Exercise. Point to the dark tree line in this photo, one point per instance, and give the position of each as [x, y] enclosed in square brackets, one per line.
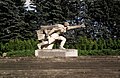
[107, 13]
[100, 16]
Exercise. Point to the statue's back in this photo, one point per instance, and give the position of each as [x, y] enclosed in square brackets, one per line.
[41, 32]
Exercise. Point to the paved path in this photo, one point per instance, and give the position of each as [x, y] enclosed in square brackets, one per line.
[81, 67]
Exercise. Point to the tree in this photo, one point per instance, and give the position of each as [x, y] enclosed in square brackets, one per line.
[51, 11]
[9, 20]
[14, 22]
[106, 13]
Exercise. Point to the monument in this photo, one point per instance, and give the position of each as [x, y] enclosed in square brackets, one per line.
[48, 35]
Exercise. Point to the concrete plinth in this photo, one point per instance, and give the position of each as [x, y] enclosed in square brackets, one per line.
[48, 53]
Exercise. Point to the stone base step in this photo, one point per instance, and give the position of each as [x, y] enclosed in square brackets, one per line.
[50, 53]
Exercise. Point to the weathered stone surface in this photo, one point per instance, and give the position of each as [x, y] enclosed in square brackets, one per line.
[48, 53]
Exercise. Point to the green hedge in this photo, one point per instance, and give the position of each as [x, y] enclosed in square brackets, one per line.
[16, 45]
[85, 43]
[99, 52]
[30, 53]
[21, 53]
[86, 46]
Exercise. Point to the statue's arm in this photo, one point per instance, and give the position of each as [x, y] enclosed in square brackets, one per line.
[74, 27]
[53, 30]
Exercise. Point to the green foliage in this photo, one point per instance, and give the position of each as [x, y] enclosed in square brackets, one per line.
[21, 53]
[95, 46]
[106, 12]
[51, 11]
[99, 52]
[10, 21]
[118, 41]
[85, 46]
[17, 44]
[100, 44]
[16, 23]
[18, 26]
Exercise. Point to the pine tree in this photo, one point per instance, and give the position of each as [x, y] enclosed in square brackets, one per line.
[106, 13]
[116, 19]
[56, 14]
[51, 11]
[15, 22]
[9, 20]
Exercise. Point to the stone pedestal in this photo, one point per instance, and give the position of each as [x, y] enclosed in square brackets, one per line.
[49, 53]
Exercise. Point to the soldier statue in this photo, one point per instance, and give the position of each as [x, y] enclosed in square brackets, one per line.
[49, 34]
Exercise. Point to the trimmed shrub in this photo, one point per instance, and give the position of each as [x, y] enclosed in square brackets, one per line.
[86, 46]
[14, 45]
[20, 53]
[99, 52]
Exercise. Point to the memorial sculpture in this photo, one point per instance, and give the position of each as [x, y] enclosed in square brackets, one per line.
[49, 34]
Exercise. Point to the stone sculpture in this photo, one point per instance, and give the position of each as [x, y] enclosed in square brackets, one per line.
[49, 34]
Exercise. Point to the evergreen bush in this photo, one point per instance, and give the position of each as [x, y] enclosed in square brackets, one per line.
[103, 52]
[20, 53]
[85, 46]
[17, 44]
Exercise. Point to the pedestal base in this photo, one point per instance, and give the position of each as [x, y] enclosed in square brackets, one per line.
[48, 53]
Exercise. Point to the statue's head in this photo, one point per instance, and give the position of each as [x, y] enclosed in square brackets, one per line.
[66, 24]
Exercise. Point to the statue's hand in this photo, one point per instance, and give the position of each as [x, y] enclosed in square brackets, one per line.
[83, 25]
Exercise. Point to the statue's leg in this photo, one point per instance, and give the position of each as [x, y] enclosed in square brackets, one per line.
[62, 42]
[42, 44]
[46, 44]
[39, 46]
[50, 46]
[51, 40]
